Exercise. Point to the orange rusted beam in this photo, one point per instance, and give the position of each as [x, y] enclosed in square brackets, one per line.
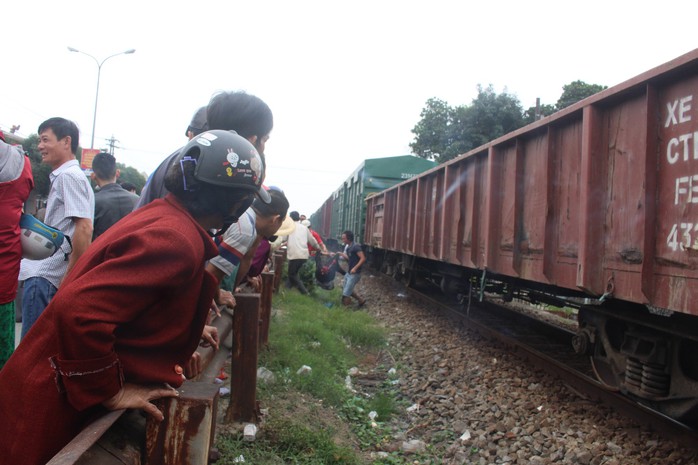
[186, 434]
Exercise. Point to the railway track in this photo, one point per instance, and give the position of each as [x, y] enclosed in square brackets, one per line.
[549, 348]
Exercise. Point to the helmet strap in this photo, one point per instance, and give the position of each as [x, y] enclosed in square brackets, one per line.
[70, 243]
[192, 186]
[227, 222]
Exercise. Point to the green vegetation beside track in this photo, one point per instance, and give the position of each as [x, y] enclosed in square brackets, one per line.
[316, 417]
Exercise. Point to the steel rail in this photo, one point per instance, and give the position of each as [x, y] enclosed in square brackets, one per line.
[577, 381]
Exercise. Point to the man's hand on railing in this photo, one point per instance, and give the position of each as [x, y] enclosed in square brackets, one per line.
[209, 337]
[224, 298]
[139, 396]
[255, 283]
[193, 366]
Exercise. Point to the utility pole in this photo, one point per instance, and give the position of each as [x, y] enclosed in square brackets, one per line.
[112, 144]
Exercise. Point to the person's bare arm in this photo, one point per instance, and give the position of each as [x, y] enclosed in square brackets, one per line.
[82, 238]
[215, 271]
[312, 241]
[246, 261]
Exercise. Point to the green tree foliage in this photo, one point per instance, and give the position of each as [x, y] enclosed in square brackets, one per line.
[445, 132]
[492, 115]
[534, 114]
[431, 131]
[131, 174]
[576, 91]
[40, 171]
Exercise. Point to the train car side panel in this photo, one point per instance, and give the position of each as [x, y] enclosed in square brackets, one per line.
[624, 139]
[533, 190]
[676, 253]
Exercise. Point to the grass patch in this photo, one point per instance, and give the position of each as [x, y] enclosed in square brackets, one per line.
[306, 332]
[313, 417]
[286, 441]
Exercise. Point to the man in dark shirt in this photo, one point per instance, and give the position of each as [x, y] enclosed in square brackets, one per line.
[112, 202]
[354, 254]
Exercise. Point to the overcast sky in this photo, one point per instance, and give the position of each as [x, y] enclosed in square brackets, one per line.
[346, 81]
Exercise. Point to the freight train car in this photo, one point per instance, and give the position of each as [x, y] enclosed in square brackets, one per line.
[595, 207]
[346, 207]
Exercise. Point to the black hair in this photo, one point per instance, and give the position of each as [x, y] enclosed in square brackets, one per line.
[277, 206]
[104, 166]
[62, 128]
[350, 235]
[294, 216]
[129, 186]
[240, 112]
[198, 122]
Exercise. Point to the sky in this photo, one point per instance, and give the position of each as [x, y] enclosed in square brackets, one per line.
[346, 81]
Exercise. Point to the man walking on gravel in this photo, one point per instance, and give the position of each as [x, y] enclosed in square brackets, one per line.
[356, 258]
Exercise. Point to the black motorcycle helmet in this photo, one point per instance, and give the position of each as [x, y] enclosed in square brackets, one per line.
[225, 159]
[217, 172]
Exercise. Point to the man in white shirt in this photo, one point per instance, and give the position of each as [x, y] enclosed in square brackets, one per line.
[70, 208]
[297, 252]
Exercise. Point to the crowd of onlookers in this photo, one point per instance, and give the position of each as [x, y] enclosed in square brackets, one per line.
[113, 314]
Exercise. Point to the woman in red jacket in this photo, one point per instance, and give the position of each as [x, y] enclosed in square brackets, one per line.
[129, 316]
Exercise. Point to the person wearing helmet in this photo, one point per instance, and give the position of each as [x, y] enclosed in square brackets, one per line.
[16, 182]
[243, 113]
[128, 317]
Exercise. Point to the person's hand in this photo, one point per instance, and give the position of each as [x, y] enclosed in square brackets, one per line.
[139, 396]
[225, 298]
[193, 367]
[255, 283]
[209, 337]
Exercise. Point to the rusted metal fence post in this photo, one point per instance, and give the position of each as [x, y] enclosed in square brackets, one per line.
[186, 434]
[265, 308]
[279, 258]
[243, 369]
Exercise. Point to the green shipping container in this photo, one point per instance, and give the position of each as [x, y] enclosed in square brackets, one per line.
[371, 176]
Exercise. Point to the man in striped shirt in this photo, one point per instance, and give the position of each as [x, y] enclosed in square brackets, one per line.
[70, 208]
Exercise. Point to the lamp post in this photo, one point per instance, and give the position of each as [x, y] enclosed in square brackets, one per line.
[99, 72]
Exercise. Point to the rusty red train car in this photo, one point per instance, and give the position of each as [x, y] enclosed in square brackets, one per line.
[594, 206]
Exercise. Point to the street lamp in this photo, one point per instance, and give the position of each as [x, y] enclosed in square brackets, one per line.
[99, 72]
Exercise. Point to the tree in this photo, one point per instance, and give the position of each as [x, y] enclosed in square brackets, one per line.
[576, 91]
[431, 131]
[131, 174]
[492, 115]
[533, 114]
[444, 133]
[40, 171]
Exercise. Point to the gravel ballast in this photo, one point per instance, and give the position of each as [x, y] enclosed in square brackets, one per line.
[469, 401]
